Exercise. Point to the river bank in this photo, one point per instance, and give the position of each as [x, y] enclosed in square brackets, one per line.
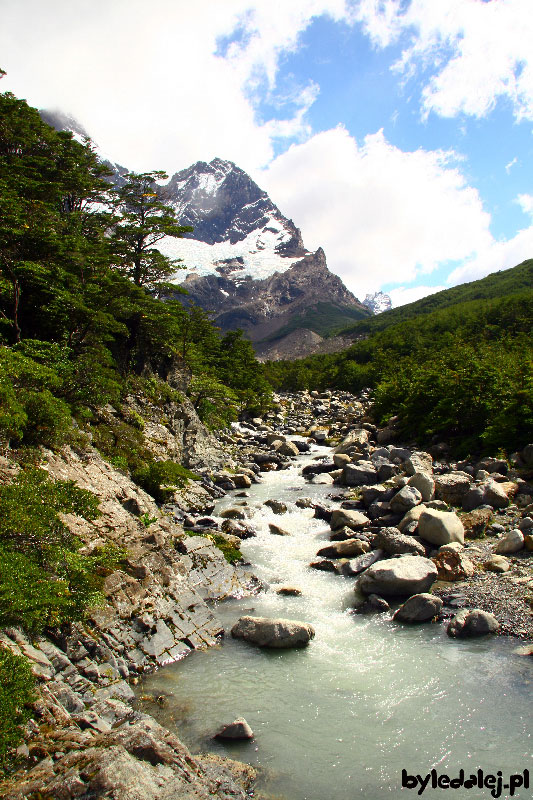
[87, 736]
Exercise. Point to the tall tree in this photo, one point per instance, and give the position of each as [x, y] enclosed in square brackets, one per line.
[145, 221]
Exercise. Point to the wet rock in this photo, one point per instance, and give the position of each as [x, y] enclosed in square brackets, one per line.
[374, 604]
[408, 497]
[305, 502]
[277, 531]
[236, 730]
[344, 549]
[318, 468]
[354, 520]
[511, 542]
[472, 623]
[453, 566]
[397, 577]
[289, 591]
[288, 449]
[234, 528]
[233, 513]
[419, 608]
[242, 481]
[278, 633]
[440, 527]
[276, 506]
[324, 565]
[395, 543]
[357, 565]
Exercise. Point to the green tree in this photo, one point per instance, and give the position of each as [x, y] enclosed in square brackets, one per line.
[144, 221]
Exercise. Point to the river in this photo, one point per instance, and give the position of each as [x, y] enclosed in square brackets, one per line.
[367, 698]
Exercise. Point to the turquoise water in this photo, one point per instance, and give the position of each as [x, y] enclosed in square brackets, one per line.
[341, 718]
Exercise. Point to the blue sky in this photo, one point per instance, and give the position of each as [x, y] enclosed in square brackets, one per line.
[396, 133]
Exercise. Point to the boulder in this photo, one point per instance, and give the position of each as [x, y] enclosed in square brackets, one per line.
[276, 506]
[475, 523]
[440, 527]
[527, 455]
[345, 549]
[497, 564]
[473, 498]
[452, 487]
[413, 515]
[236, 730]
[326, 479]
[395, 543]
[397, 577]
[242, 481]
[408, 497]
[289, 591]
[355, 440]
[359, 474]
[354, 520]
[472, 623]
[278, 633]
[491, 465]
[288, 449]
[357, 565]
[374, 604]
[424, 483]
[511, 542]
[419, 608]
[418, 461]
[233, 513]
[341, 459]
[494, 495]
[277, 531]
[453, 566]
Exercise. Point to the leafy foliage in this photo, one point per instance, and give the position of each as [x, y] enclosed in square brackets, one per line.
[16, 693]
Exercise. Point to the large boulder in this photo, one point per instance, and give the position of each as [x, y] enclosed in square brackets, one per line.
[397, 577]
[408, 497]
[356, 441]
[472, 623]
[343, 517]
[440, 527]
[453, 565]
[395, 543]
[278, 633]
[419, 608]
[413, 515]
[418, 461]
[424, 483]
[511, 542]
[452, 487]
[495, 495]
[359, 474]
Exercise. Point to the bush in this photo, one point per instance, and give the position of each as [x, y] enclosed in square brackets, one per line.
[162, 478]
[16, 693]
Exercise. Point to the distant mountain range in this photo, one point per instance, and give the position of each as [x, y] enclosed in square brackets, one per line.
[246, 263]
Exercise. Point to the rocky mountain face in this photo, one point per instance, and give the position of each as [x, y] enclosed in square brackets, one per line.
[377, 302]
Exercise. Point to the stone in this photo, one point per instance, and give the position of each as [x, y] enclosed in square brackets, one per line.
[324, 565]
[397, 577]
[490, 465]
[440, 527]
[424, 483]
[511, 542]
[277, 633]
[276, 506]
[413, 515]
[408, 497]
[233, 513]
[395, 543]
[341, 459]
[419, 608]
[494, 495]
[325, 479]
[528, 542]
[452, 487]
[473, 498]
[236, 730]
[348, 548]
[374, 604]
[289, 591]
[497, 564]
[473, 622]
[360, 474]
[354, 520]
[527, 455]
[418, 461]
[357, 565]
[356, 440]
[525, 524]
[475, 522]
[453, 566]
[70, 701]
[288, 449]
[277, 531]
[242, 481]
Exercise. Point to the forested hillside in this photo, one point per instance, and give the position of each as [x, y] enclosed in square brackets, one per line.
[462, 372]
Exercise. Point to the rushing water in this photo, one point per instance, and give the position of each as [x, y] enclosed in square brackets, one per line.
[340, 719]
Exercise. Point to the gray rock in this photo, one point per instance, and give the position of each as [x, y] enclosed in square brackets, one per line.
[236, 730]
[344, 549]
[374, 604]
[419, 608]
[395, 543]
[357, 565]
[408, 497]
[472, 623]
[413, 515]
[356, 439]
[418, 461]
[354, 520]
[397, 577]
[494, 495]
[511, 542]
[440, 527]
[452, 487]
[278, 633]
[497, 564]
[473, 498]
[359, 474]
[424, 483]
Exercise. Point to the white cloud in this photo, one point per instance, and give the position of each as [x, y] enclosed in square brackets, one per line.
[525, 201]
[497, 256]
[477, 51]
[402, 295]
[381, 214]
[149, 82]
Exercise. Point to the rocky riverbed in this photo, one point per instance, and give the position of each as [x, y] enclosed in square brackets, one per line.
[403, 522]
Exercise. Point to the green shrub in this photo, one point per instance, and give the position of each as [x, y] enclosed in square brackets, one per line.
[162, 478]
[230, 553]
[16, 693]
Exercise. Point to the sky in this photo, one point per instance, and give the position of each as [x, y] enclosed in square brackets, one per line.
[397, 134]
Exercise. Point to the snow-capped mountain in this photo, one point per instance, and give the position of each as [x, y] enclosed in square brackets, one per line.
[376, 302]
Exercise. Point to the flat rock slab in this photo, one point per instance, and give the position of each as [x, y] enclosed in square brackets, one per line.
[278, 633]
